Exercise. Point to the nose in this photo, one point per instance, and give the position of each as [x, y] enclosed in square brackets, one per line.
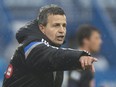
[62, 29]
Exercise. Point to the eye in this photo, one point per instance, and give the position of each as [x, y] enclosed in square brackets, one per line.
[64, 25]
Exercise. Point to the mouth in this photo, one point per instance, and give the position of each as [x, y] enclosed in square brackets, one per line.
[60, 38]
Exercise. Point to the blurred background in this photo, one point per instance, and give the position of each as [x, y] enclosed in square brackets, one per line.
[99, 13]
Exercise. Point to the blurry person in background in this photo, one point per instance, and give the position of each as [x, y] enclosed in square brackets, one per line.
[39, 61]
[88, 38]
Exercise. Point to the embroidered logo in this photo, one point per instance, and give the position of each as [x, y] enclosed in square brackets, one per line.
[9, 71]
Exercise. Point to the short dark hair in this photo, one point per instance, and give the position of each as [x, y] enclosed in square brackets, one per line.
[48, 10]
[83, 32]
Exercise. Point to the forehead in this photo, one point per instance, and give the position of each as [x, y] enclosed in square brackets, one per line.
[56, 19]
[95, 33]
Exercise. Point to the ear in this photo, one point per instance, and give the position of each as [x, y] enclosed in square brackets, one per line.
[42, 28]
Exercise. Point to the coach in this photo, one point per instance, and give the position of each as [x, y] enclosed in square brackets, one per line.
[39, 61]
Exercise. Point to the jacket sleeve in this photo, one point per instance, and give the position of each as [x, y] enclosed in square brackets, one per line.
[42, 57]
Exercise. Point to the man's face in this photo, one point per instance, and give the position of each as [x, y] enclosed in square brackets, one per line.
[94, 42]
[55, 29]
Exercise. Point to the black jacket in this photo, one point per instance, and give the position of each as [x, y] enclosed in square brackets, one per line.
[38, 62]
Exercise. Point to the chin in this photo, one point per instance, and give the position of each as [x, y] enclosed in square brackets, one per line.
[59, 43]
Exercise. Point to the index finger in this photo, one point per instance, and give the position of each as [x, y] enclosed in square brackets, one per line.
[94, 60]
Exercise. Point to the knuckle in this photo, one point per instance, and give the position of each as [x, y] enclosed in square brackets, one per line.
[81, 62]
[86, 63]
[89, 63]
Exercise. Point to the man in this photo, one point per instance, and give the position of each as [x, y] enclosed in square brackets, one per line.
[88, 38]
[38, 61]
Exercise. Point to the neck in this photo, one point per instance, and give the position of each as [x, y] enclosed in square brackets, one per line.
[84, 48]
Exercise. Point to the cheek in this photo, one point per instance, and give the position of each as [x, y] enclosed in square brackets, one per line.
[93, 44]
[50, 33]
[96, 44]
